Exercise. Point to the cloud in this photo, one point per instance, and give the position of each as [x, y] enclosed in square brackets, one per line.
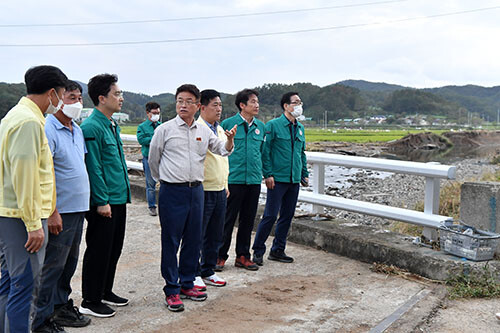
[446, 50]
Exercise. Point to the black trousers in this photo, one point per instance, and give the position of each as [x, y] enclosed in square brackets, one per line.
[243, 200]
[104, 246]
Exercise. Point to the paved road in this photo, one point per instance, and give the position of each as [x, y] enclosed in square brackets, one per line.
[319, 292]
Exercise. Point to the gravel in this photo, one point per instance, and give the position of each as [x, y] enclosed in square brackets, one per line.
[398, 190]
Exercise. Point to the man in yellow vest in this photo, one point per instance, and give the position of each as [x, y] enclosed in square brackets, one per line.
[215, 192]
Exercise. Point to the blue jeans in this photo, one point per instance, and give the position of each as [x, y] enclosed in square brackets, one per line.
[61, 259]
[20, 276]
[181, 214]
[214, 211]
[150, 183]
[282, 199]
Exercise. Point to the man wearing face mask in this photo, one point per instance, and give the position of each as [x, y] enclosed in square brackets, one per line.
[284, 166]
[145, 133]
[28, 195]
[65, 225]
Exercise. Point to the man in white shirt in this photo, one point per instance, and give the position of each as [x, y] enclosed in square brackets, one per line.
[176, 158]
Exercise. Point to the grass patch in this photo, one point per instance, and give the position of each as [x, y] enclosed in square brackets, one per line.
[473, 284]
[449, 200]
[491, 177]
[407, 229]
[449, 205]
[128, 129]
[495, 159]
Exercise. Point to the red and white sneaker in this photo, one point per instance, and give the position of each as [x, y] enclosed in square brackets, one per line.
[199, 284]
[193, 294]
[174, 303]
[214, 280]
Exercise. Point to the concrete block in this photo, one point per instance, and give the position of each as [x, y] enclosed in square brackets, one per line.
[368, 244]
[480, 206]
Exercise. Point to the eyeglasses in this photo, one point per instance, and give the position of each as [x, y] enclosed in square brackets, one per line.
[118, 94]
[188, 102]
[297, 103]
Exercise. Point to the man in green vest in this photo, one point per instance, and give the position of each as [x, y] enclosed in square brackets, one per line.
[109, 195]
[284, 166]
[245, 177]
[145, 133]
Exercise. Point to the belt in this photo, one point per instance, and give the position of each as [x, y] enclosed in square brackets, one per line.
[186, 184]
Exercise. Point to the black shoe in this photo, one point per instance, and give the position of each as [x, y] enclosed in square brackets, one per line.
[68, 315]
[259, 260]
[152, 211]
[280, 256]
[49, 326]
[97, 309]
[112, 299]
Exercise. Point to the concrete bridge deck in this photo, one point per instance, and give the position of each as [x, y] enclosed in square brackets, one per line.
[319, 292]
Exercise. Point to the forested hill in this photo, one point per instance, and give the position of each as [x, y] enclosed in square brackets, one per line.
[345, 99]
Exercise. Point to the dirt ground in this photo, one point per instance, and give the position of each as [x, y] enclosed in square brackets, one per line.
[319, 292]
[465, 316]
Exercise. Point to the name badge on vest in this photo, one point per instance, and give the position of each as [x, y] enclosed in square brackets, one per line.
[257, 131]
[300, 132]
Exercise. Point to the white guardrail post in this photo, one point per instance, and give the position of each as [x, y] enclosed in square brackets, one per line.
[431, 203]
[318, 185]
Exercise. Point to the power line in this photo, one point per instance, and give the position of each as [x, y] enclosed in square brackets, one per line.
[199, 17]
[359, 25]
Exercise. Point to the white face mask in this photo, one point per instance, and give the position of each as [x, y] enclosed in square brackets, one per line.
[53, 109]
[297, 111]
[155, 118]
[73, 110]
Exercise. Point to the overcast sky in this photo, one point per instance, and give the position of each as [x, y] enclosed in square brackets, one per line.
[458, 49]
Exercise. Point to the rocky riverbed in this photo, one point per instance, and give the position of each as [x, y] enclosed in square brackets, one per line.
[398, 190]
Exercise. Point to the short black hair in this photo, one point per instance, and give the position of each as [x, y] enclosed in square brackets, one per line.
[207, 95]
[286, 98]
[100, 85]
[73, 85]
[190, 88]
[41, 79]
[243, 96]
[152, 105]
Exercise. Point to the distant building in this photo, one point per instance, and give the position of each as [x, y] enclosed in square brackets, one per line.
[86, 112]
[118, 116]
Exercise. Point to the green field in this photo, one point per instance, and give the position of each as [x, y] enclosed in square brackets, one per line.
[340, 135]
[128, 129]
[359, 136]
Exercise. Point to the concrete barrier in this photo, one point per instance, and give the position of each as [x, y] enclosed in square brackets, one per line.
[480, 206]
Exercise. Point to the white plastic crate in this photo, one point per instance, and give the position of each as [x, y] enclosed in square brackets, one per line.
[478, 246]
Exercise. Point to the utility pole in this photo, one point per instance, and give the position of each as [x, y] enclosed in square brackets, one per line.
[325, 120]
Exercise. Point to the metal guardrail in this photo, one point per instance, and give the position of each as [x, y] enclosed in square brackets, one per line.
[433, 173]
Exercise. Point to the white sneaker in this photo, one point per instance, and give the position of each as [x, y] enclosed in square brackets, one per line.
[214, 280]
[199, 284]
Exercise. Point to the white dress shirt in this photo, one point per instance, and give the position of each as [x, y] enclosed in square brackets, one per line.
[177, 151]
